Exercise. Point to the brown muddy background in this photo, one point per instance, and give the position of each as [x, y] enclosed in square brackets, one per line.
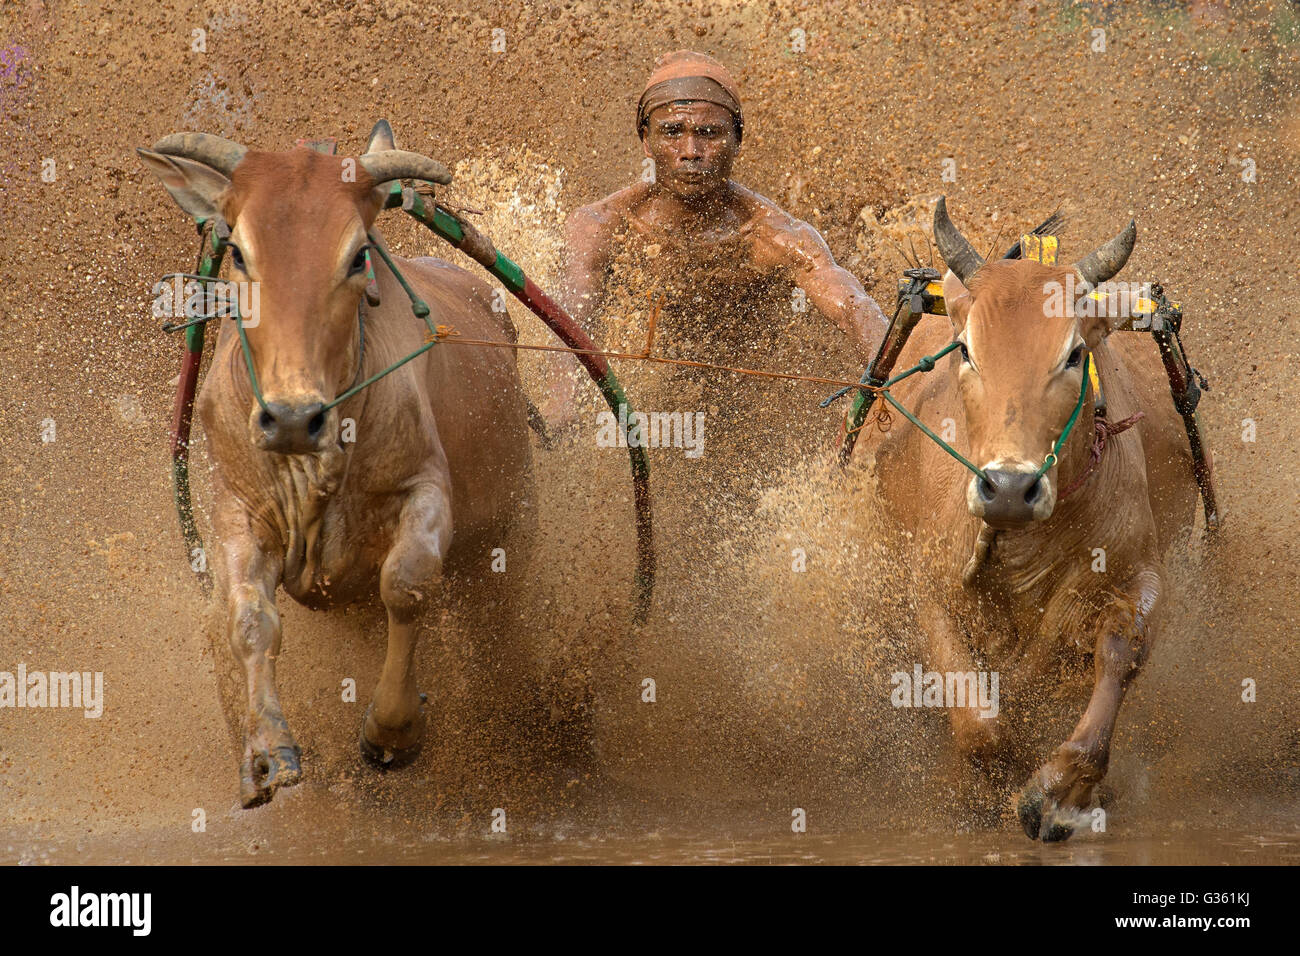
[772, 686]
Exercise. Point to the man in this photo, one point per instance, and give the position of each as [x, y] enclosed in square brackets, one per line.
[714, 250]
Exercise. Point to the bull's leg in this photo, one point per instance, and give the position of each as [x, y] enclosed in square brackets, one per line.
[1060, 789]
[272, 758]
[393, 728]
[978, 738]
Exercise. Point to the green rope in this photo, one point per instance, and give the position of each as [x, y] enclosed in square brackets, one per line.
[378, 375]
[926, 364]
[1052, 458]
[418, 305]
[248, 360]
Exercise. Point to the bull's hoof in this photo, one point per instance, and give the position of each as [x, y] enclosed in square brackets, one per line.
[265, 771]
[1058, 832]
[1030, 809]
[397, 750]
[1039, 815]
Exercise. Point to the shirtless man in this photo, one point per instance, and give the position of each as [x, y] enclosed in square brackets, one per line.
[690, 124]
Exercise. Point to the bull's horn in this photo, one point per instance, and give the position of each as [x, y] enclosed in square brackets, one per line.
[381, 138]
[1100, 264]
[956, 250]
[390, 164]
[221, 154]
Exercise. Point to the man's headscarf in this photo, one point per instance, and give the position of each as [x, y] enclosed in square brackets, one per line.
[686, 75]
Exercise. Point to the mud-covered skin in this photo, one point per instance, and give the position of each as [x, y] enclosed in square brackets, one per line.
[692, 208]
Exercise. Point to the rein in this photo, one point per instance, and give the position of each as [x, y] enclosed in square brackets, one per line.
[1052, 458]
[926, 364]
[987, 535]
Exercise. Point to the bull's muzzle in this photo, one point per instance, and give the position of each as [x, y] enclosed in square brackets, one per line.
[1009, 498]
[292, 428]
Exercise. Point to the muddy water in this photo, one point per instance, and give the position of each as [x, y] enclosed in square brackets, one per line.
[560, 845]
[771, 685]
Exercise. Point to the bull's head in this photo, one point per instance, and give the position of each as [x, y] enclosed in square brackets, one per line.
[298, 228]
[1023, 345]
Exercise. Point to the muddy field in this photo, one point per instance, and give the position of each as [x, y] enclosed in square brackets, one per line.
[772, 686]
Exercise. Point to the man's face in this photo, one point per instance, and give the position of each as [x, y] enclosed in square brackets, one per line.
[693, 145]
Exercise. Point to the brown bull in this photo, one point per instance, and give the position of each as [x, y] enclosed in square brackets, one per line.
[297, 502]
[1035, 606]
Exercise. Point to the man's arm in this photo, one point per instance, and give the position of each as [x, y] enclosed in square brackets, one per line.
[586, 260]
[799, 249]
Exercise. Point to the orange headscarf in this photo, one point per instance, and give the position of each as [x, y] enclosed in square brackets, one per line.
[686, 75]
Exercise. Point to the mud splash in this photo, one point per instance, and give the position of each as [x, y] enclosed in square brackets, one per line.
[771, 683]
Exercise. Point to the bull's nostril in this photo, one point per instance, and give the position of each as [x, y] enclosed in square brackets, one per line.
[1034, 491]
[266, 420]
[316, 424]
[986, 489]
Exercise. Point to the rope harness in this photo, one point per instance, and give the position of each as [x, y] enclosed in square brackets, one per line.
[1103, 431]
[927, 364]
[437, 334]
[465, 237]
[216, 235]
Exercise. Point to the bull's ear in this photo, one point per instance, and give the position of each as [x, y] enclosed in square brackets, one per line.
[956, 300]
[196, 188]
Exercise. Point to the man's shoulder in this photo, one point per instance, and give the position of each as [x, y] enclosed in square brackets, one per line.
[613, 209]
[774, 227]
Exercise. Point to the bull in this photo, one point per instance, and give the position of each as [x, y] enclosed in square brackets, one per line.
[439, 468]
[1020, 590]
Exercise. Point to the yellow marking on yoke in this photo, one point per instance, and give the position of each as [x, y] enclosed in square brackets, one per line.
[1039, 248]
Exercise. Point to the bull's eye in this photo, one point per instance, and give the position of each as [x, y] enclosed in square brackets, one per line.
[237, 258]
[1075, 357]
[965, 355]
[358, 263]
